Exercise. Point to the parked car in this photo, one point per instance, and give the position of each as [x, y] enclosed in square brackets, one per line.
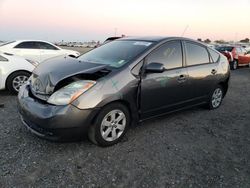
[14, 71]
[36, 50]
[103, 91]
[236, 55]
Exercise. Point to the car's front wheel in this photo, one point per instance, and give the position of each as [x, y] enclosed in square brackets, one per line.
[110, 126]
[216, 98]
[16, 80]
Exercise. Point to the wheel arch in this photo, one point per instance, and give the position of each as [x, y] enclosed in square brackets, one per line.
[133, 113]
[14, 73]
[224, 85]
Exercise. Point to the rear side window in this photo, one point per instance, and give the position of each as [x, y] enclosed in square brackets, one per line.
[46, 46]
[196, 54]
[214, 55]
[169, 54]
[3, 58]
[27, 45]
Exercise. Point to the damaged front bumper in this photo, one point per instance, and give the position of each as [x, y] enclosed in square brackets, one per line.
[57, 123]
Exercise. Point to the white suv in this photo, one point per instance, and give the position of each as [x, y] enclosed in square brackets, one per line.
[36, 50]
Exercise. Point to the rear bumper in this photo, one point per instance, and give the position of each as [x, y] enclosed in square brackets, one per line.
[56, 123]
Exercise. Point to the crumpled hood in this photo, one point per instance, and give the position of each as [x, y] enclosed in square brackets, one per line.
[46, 76]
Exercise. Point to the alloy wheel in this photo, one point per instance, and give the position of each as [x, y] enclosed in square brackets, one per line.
[217, 98]
[113, 125]
[19, 81]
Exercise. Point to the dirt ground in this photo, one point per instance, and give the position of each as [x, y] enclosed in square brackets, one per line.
[192, 148]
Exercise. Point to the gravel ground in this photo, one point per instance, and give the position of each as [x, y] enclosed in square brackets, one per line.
[193, 148]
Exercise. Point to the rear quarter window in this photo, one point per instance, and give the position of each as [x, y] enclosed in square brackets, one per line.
[214, 56]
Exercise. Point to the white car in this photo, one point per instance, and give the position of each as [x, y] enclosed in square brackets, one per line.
[36, 50]
[14, 71]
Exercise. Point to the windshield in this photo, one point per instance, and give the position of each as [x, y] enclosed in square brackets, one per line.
[3, 44]
[116, 53]
[224, 48]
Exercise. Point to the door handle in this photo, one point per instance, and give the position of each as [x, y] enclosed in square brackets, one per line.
[182, 78]
[214, 71]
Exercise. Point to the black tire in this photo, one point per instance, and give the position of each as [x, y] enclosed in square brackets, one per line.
[12, 77]
[210, 104]
[94, 132]
[234, 65]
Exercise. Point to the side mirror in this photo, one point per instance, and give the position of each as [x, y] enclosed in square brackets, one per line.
[155, 68]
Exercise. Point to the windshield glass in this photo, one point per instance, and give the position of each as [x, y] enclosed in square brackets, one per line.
[3, 44]
[224, 48]
[116, 53]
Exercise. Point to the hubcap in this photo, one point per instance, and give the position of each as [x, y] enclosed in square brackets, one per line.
[113, 125]
[217, 98]
[19, 81]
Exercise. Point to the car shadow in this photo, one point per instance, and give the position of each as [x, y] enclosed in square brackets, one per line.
[5, 93]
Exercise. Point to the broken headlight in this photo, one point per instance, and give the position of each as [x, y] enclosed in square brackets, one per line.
[71, 92]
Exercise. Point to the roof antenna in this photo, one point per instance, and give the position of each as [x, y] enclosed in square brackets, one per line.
[184, 31]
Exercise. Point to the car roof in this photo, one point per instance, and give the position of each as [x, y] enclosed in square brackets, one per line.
[157, 38]
[30, 40]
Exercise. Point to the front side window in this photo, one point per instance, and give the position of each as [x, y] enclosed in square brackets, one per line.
[116, 53]
[169, 54]
[196, 54]
[27, 45]
[46, 46]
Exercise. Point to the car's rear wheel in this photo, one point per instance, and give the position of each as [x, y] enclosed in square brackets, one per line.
[16, 80]
[110, 126]
[216, 98]
[234, 65]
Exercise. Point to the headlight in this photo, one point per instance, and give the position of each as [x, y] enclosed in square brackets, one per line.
[71, 92]
[35, 63]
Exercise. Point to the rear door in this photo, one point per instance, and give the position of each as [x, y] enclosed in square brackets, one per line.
[162, 92]
[201, 70]
[47, 50]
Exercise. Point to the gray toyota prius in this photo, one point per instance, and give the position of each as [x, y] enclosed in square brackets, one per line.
[103, 92]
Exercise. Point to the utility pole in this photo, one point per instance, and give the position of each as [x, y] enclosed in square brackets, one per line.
[115, 31]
